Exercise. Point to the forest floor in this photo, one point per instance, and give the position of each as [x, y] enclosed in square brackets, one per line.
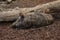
[51, 32]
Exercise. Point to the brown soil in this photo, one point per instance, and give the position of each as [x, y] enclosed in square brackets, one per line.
[51, 32]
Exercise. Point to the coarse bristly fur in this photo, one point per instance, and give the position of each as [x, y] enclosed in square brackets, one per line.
[32, 20]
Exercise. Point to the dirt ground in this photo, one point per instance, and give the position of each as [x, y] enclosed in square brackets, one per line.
[51, 32]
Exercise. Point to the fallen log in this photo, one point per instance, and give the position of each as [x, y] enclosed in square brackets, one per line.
[13, 14]
[9, 15]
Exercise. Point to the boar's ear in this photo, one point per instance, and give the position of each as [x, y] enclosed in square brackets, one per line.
[21, 15]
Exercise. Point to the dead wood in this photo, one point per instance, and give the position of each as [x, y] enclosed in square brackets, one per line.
[13, 14]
